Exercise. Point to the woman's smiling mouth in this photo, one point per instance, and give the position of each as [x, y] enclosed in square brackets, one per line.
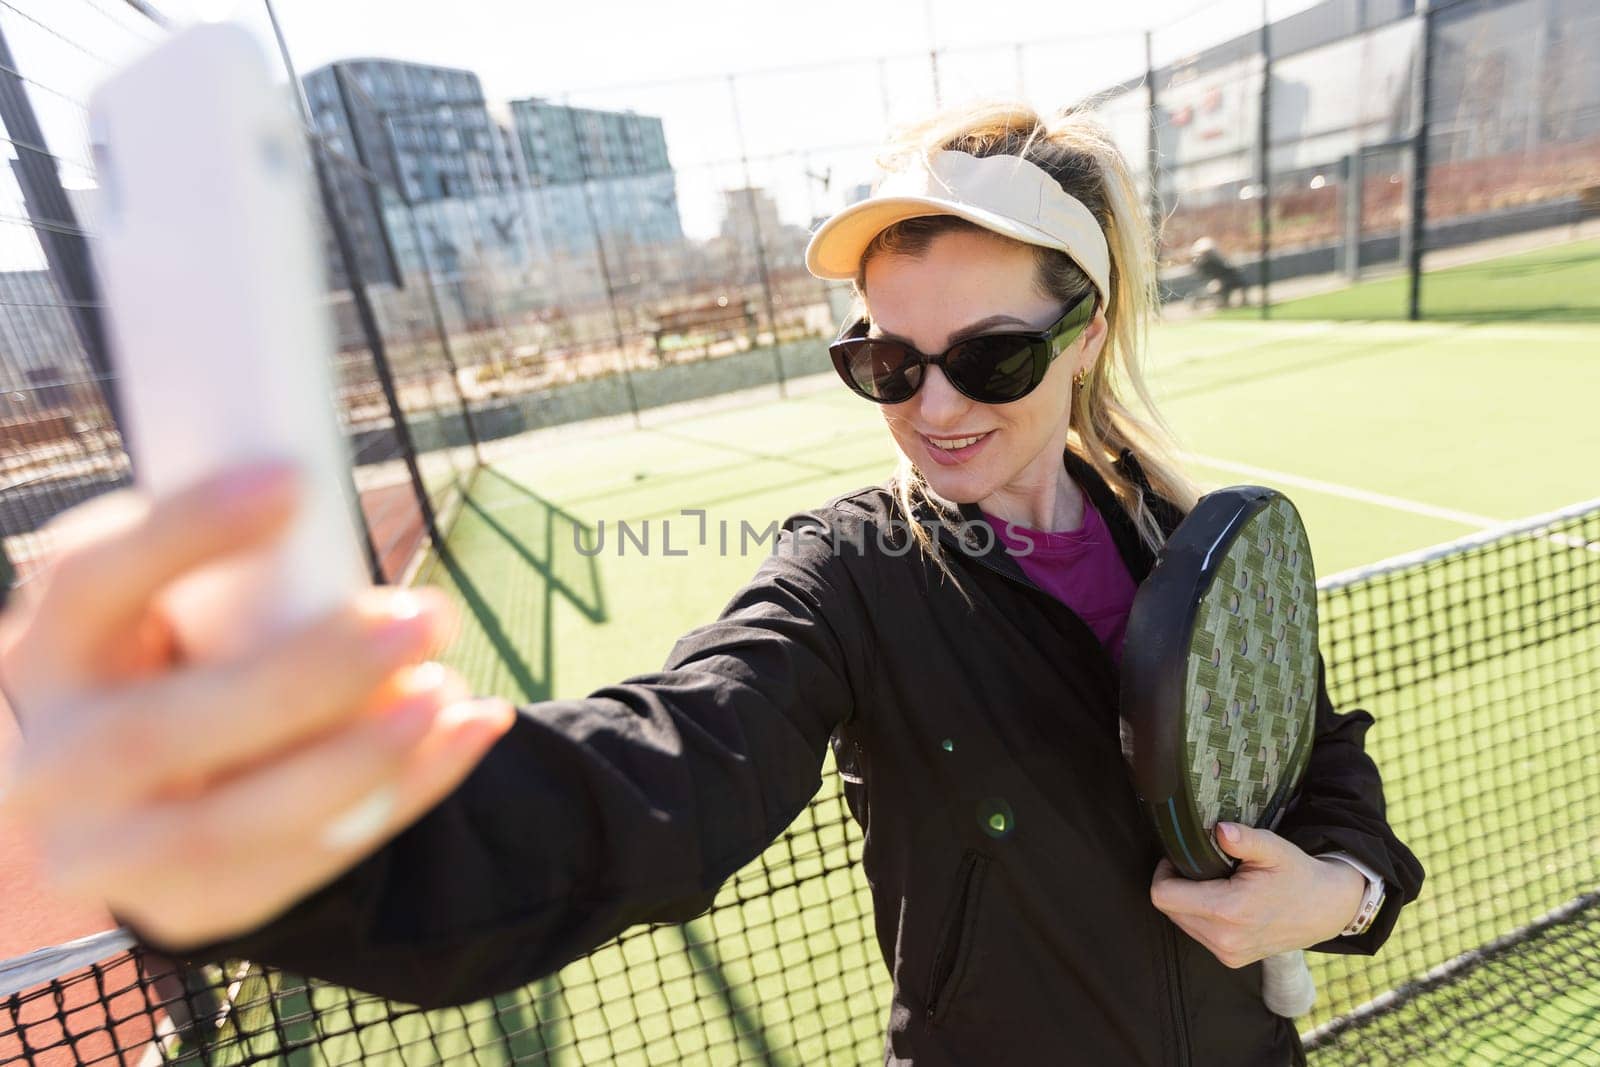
[952, 450]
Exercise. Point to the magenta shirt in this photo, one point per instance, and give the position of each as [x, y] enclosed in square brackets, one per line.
[1081, 568]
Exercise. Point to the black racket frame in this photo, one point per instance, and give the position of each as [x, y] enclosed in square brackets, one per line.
[1154, 675]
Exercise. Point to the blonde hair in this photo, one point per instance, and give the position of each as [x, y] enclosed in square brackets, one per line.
[1075, 149]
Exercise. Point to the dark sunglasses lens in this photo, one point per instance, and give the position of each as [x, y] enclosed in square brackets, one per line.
[995, 369]
[881, 370]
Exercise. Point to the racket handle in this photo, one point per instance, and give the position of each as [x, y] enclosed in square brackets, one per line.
[1286, 984]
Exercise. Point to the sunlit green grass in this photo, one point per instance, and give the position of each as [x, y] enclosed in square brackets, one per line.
[1560, 283]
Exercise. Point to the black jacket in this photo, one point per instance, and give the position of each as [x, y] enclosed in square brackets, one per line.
[1035, 944]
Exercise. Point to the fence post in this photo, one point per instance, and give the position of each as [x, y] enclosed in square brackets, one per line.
[1153, 135]
[755, 229]
[1264, 134]
[374, 336]
[55, 225]
[1354, 175]
[445, 349]
[8, 573]
[605, 266]
[542, 245]
[825, 179]
[1418, 161]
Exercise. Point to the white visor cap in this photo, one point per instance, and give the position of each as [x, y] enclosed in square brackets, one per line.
[1005, 194]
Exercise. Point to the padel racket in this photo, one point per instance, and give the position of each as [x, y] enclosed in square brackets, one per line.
[1219, 688]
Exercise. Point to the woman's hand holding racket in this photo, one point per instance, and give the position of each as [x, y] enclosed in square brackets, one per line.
[1219, 684]
[198, 801]
[1279, 898]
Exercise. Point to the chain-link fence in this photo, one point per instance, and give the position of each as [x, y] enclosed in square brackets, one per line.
[506, 267]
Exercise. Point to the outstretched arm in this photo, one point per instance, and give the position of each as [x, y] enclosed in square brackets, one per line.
[589, 816]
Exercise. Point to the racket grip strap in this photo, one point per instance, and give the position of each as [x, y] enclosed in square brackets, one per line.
[1286, 984]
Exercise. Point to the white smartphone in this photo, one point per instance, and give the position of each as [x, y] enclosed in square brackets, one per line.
[216, 306]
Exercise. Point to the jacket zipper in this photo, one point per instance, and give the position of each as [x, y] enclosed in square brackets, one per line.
[957, 939]
[1169, 937]
[1180, 1019]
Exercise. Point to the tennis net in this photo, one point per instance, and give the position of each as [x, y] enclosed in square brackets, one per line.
[1480, 660]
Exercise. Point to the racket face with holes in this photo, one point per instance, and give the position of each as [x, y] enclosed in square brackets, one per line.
[1219, 673]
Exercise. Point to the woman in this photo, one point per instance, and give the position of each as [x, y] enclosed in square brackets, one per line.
[952, 633]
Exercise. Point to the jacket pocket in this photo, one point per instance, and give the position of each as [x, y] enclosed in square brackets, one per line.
[851, 761]
[956, 934]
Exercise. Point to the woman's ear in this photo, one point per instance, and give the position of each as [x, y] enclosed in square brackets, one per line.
[1092, 340]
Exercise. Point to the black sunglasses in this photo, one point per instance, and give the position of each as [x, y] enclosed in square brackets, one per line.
[992, 368]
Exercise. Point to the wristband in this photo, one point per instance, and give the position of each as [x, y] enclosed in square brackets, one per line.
[1372, 897]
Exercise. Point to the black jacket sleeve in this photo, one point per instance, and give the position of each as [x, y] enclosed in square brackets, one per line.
[1340, 808]
[589, 816]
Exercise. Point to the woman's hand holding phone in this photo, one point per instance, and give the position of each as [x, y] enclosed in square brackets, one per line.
[198, 801]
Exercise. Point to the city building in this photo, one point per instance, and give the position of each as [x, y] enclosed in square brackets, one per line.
[612, 165]
[423, 132]
[748, 212]
[428, 127]
[427, 177]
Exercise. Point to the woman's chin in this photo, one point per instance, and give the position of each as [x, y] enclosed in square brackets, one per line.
[966, 480]
[958, 486]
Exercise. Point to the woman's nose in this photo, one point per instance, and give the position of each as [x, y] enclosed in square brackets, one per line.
[938, 398]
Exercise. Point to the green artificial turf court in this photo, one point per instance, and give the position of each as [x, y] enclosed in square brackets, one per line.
[1389, 437]
[1558, 283]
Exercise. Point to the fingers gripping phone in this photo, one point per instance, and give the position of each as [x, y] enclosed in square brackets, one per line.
[209, 262]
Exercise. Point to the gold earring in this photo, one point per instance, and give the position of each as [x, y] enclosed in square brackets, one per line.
[1077, 379]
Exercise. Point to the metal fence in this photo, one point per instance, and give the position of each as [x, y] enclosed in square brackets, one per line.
[1284, 149]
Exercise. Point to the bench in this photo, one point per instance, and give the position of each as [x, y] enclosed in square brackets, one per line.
[710, 321]
[47, 427]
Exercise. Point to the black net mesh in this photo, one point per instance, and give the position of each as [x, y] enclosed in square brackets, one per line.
[1481, 663]
[1482, 667]
[782, 967]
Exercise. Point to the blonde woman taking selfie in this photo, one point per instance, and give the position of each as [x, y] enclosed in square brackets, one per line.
[335, 806]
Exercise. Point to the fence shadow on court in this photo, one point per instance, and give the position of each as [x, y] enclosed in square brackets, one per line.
[545, 566]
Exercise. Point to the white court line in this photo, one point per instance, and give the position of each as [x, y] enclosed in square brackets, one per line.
[1349, 492]
[1382, 500]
